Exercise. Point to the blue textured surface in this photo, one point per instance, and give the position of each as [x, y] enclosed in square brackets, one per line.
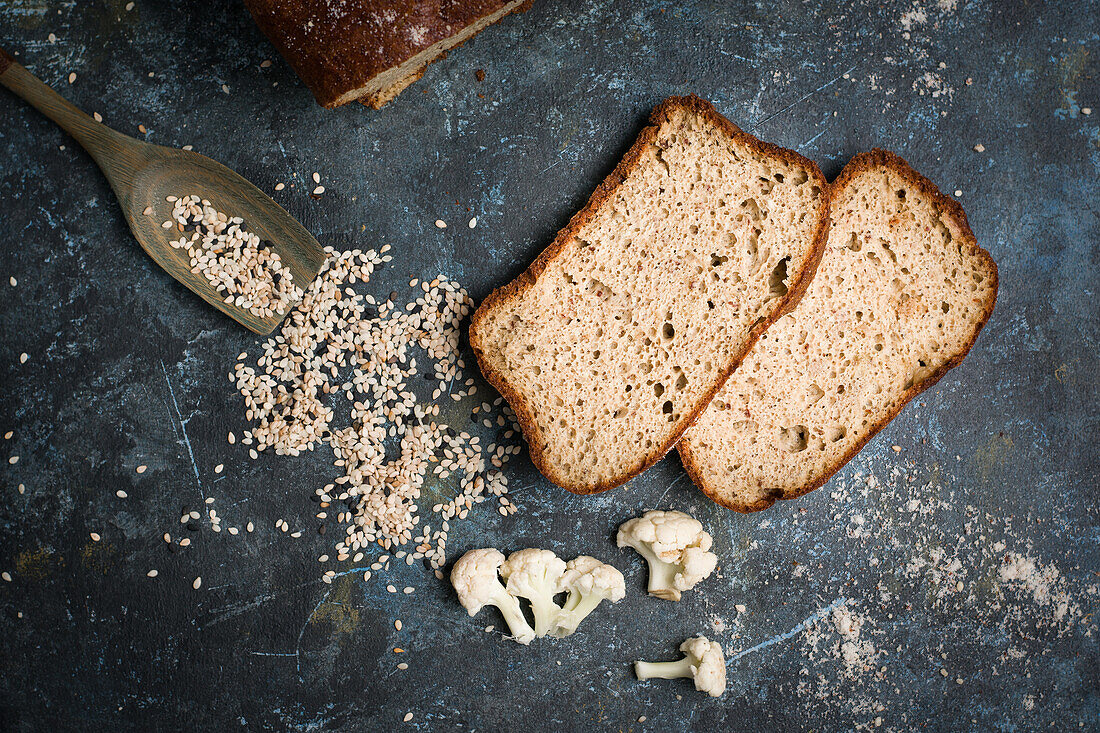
[995, 468]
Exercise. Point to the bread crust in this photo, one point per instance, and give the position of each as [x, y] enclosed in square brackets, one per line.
[603, 194]
[337, 49]
[861, 163]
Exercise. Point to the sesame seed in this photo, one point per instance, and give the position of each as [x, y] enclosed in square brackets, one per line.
[142, 469]
[152, 574]
[13, 281]
[408, 590]
[141, 129]
[473, 222]
[6, 576]
[23, 358]
[249, 527]
[219, 468]
[441, 224]
[7, 435]
[391, 589]
[318, 190]
[121, 494]
[13, 460]
[265, 63]
[129, 7]
[72, 77]
[280, 186]
[197, 583]
[94, 536]
[397, 624]
[185, 542]
[408, 717]
[316, 177]
[232, 438]
[402, 666]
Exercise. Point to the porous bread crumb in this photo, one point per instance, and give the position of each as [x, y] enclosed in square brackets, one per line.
[622, 330]
[901, 293]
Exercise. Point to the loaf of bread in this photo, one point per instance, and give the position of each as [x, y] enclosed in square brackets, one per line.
[899, 298]
[621, 332]
[370, 50]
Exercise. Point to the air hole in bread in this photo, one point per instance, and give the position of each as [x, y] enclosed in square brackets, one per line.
[667, 407]
[710, 305]
[779, 177]
[777, 281]
[667, 331]
[658, 389]
[813, 394]
[681, 382]
[836, 433]
[716, 260]
[853, 243]
[901, 193]
[794, 440]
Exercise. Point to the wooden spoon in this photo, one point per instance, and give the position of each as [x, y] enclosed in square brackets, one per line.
[143, 175]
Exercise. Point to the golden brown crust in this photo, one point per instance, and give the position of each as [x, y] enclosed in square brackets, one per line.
[862, 163]
[603, 194]
[337, 48]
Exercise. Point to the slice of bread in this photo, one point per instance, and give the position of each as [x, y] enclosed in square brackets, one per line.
[899, 298]
[620, 333]
[371, 50]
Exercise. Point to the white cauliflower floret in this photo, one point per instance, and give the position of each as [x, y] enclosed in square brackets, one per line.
[675, 547]
[705, 663]
[474, 577]
[588, 582]
[536, 575]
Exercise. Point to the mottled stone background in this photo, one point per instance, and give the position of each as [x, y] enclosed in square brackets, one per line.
[996, 466]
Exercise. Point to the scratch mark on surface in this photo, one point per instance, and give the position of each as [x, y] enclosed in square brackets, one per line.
[183, 429]
[803, 98]
[302, 632]
[797, 629]
[812, 139]
[679, 478]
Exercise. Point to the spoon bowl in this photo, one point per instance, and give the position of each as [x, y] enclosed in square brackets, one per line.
[144, 175]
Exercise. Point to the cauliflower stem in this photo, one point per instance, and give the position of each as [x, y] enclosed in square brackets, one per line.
[663, 670]
[662, 575]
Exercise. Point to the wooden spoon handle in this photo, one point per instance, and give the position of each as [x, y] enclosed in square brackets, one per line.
[103, 143]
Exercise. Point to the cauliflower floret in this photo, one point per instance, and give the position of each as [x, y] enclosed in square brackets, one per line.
[588, 582]
[675, 547]
[474, 578]
[705, 663]
[536, 575]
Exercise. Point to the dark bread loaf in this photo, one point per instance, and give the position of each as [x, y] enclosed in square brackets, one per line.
[370, 50]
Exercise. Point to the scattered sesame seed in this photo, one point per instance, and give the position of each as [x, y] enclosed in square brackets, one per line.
[408, 717]
[1086, 110]
[7, 435]
[232, 438]
[397, 624]
[152, 573]
[225, 88]
[249, 527]
[979, 148]
[641, 718]
[402, 666]
[219, 468]
[148, 211]
[97, 117]
[23, 358]
[121, 494]
[6, 576]
[318, 191]
[280, 186]
[316, 177]
[408, 590]
[13, 460]
[142, 130]
[441, 224]
[12, 281]
[94, 536]
[185, 542]
[391, 589]
[473, 222]
[958, 193]
[72, 77]
[265, 63]
[198, 583]
[129, 7]
[142, 469]
[167, 537]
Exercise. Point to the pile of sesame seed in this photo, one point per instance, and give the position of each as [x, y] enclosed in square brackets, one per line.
[243, 269]
[393, 441]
